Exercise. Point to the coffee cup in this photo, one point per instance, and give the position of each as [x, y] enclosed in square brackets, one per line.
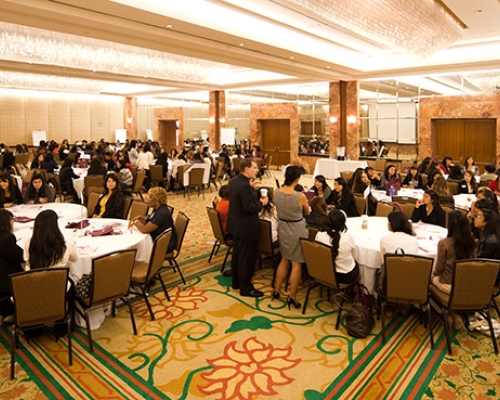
[263, 192]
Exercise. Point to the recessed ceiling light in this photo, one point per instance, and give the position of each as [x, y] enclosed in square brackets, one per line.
[292, 57]
[328, 67]
[168, 26]
[242, 44]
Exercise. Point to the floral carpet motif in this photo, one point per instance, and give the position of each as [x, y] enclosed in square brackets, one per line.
[210, 343]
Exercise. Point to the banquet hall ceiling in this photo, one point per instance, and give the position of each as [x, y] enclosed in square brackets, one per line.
[231, 45]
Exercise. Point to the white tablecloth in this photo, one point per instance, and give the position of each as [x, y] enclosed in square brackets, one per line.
[368, 244]
[331, 169]
[464, 201]
[90, 247]
[65, 211]
[79, 184]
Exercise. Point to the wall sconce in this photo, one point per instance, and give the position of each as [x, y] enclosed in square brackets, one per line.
[333, 119]
[211, 120]
[222, 120]
[129, 120]
[351, 119]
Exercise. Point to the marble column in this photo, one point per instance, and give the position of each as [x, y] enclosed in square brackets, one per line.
[130, 117]
[217, 112]
[344, 118]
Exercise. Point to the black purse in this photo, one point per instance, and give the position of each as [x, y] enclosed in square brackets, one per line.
[359, 320]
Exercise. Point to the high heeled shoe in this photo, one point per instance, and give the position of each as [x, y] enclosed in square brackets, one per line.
[291, 302]
[276, 295]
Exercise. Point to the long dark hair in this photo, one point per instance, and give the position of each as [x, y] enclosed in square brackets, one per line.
[291, 174]
[6, 177]
[117, 188]
[47, 244]
[399, 223]
[335, 225]
[31, 189]
[322, 180]
[5, 218]
[459, 231]
[491, 217]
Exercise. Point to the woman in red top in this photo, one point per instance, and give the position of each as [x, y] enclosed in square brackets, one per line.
[446, 165]
[495, 185]
[223, 206]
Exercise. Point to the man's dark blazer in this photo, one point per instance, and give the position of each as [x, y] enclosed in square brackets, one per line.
[243, 218]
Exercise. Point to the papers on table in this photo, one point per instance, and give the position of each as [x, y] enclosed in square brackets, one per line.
[86, 250]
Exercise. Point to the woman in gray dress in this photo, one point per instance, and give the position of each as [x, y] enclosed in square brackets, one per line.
[291, 207]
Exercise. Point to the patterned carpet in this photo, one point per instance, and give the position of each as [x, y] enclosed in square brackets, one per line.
[209, 343]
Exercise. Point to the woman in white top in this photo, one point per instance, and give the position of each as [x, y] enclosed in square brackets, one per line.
[47, 247]
[402, 236]
[343, 247]
[145, 158]
[132, 153]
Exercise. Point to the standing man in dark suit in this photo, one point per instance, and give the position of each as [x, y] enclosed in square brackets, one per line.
[243, 225]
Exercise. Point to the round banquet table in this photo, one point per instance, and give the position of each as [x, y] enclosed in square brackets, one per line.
[464, 201]
[90, 247]
[65, 211]
[367, 242]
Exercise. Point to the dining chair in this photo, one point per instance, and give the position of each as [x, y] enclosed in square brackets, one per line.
[265, 246]
[405, 281]
[219, 172]
[92, 202]
[266, 168]
[448, 209]
[404, 200]
[322, 271]
[111, 279]
[312, 232]
[472, 285]
[156, 175]
[180, 174]
[181, 224]
[143, 272]
[383, 210]
[195, 182]
[40, 298]
[127, 202]
[138, 208]
[93, 183]
[220, 237]
[406, 208]
[360, 202]
[452, 187]
[137, 184]
[346, 175]
[236, 165]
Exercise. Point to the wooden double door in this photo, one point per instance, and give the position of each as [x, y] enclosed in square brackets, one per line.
[168, 133]
[275, 134]
[459, 138]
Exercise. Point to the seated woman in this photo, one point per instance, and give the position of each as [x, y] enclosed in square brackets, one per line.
[320, 187]
[390, 178]
[402, 236]
[37, 161]
[10, 194]
[440, 186]
[160, 220]
[458, 245]
[446, 165]
[428, 210]
[342, 198]
[468, 185]
[49, 163]
[343, 247]
[110, 203]
[47, 246]
[11, 257]
[494, 185]
[373, 177]
[126, 175]
[269, 213]
[470, 166]
[97, 166]
[38, 192]
[223, 206]
[318, 217]
[413, 179]
[360, 184]
[488, 222]
[66, 175]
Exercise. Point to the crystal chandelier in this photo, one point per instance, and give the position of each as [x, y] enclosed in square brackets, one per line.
[419, 28]
[39, 46]
[487, 82]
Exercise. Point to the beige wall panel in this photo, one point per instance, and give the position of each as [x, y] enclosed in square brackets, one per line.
[12, 121]
[115, 118]
[37, 115]
[99, 125]
[79, 120]
[59, 119]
